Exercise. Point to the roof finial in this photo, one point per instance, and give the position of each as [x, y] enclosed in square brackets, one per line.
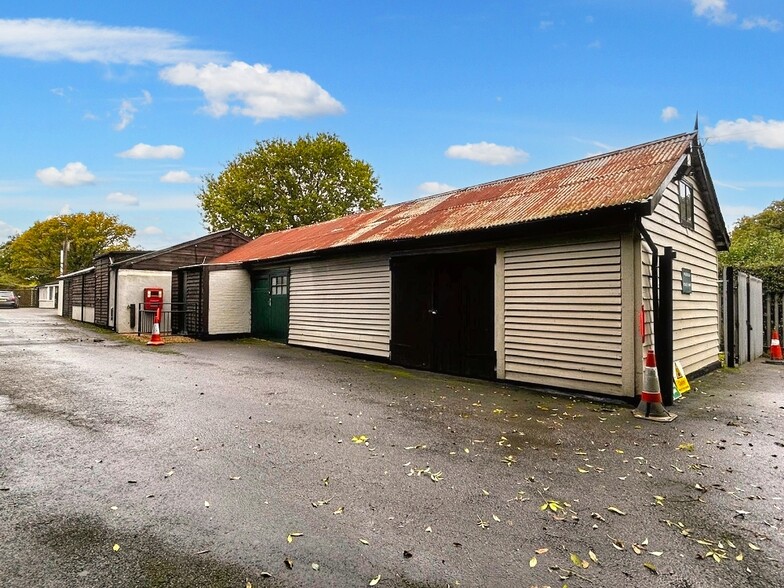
[697, 121]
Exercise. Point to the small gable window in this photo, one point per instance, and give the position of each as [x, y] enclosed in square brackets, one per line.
[686, 204]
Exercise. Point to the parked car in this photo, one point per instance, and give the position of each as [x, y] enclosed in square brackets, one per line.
[8, 299]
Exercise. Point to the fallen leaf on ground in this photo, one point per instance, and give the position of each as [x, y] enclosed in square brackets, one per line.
[291, 536]
[116, 547]
[315, 566]
[375, 580]
[616, 510]
[578, 561]
[359, 439]
[532, 562]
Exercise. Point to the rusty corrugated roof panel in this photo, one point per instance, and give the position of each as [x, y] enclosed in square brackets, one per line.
[622, 177]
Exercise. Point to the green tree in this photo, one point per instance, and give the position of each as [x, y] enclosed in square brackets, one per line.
[281, 184]
[34, 256]
[758, 246]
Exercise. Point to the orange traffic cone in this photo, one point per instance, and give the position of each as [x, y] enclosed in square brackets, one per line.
[775, 348]
[651, 406]
[156, 330]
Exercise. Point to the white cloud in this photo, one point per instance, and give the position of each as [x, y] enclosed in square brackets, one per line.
[669, 113]
[45, 39]
[124, 199]
[718, 13]
[152, 231]
[428, 188]
[162, 202]
[597, 144]
[755, 133]
[128, 109]
[595, 44]
[254, 91]
[714, 10]
[759, 22]
[545, 24]
[488, 153]
[144, 151]
[127, 112]
[7, 231]
[65, 209]
[732, 214]
[178, 177]
[73, 174]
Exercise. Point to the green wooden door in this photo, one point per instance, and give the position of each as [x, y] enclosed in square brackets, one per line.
[270, 306]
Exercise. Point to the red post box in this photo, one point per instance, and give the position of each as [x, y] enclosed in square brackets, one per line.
[153, 298]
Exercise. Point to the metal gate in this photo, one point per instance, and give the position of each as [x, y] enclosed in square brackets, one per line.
[175, 317]
[742, 317]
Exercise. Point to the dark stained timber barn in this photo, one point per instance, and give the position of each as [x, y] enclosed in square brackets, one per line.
[562, 277]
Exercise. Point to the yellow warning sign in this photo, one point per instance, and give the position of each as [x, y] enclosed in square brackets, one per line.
[681, 383]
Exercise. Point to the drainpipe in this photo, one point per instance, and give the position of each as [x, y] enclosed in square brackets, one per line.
[662, 312]
[664, 346]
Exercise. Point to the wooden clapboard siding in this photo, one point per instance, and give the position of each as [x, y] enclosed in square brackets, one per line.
[102, 291]
[695, 315]
[191, 253]
[562, 315]
[192, 298]
[341, 304]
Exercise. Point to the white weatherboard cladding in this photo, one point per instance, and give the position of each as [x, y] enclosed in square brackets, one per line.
[229, 311]
[562, 316]
[130, 290]
[696, 315]
[342, 305]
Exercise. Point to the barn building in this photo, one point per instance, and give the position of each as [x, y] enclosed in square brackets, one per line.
[110, 292]
[561, 278]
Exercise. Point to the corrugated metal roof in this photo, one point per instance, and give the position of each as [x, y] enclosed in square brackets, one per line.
[622, 177]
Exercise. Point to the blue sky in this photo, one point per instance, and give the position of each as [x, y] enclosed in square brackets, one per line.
[123, 107]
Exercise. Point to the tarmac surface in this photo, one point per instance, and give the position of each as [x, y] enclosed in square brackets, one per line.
[251, 464]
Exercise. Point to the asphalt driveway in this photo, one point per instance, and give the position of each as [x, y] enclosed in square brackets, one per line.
[249, 463]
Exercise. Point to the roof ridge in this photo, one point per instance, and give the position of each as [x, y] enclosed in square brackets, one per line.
[458, 206]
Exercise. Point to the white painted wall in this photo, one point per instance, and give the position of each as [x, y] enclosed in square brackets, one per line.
[46, 296]
[87, 317]
[229, 303]
[130, 290]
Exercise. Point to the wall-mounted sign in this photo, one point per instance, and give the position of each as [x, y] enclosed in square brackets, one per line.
[685, 281]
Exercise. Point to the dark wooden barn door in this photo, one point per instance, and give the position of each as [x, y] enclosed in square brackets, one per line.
[443, 313]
